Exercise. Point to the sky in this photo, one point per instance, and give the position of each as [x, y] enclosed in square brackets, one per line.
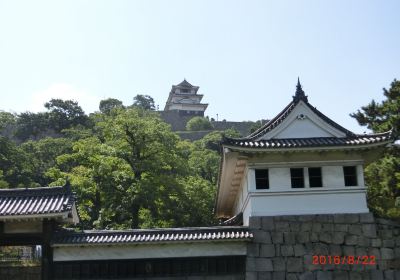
[246, 56]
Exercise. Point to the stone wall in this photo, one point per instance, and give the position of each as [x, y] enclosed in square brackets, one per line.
[20, 272]
[284, 247]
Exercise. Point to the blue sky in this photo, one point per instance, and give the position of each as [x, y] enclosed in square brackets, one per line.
[245, 55]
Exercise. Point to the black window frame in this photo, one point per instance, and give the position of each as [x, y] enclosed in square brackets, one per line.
[350, 176]
[315, 180]
[262, 175]
[297, 180]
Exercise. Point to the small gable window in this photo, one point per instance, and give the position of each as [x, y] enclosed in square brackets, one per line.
[315, 177]
[297, 177]
[262, 179]
[350, 176]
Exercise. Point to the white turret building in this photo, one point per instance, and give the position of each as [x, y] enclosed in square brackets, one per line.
[184, 99]
[300, 162]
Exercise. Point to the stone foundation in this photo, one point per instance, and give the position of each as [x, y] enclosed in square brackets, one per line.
[320, 247]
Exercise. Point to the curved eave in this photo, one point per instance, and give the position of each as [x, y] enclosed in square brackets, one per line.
[304, 148]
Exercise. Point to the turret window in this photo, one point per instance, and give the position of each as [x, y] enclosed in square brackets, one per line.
[262, 179]
[350, 176]
[297, 177]
[315, 177]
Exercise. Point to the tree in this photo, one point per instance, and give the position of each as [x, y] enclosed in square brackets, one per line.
[65, 114]
[107, 105]
[31, 125]
[132, 173]
[145, 102]
[383, 176]
[198, 123]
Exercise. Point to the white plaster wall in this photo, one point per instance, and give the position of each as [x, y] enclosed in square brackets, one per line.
[302, 129]
[144, 251]
[332, 176]
[279, 179]
[311, 202]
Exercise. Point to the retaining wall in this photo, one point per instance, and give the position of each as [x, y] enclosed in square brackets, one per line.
[317, 247]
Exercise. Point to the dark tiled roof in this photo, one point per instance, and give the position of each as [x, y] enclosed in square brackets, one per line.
[356, 140]
[285, 112]
[35, 201]
[185, 84]
[153, 236]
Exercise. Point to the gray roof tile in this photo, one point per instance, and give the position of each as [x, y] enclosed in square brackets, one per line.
[153, 236]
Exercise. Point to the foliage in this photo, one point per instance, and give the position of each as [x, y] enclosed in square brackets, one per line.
[383, 176]
[65, 114]
[256, 126]
[31, 125]
[198, 123]
[107, 105]
[145, 102]
[15, 170]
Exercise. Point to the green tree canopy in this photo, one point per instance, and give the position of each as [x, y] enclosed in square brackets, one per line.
[198, 123]
[65, 114]
[145, 102]
[107, 105]
[383, 176]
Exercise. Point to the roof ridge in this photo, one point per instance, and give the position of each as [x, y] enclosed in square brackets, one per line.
[36, 191]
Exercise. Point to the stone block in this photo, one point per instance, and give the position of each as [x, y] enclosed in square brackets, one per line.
[386, 234]
[376, 242]
[389, 243]
[324, 218]
[303, 237]
[282, 226]
[335, 250]
[267, 223]
[254, 222]
[351, 239]
[267, 250]
[320, 249]
[369, 230]
[306, 226]
[316, 227]
[355, 229]
[328, 227]
[387, 254]
[253, 250]
[307, 276]
[294, 265]
[363, 241]
[314, 237]
[277, 250]
[287, 250]
[354, 275]
[299, 250]
[348, 250]
[376, 275]
[291, 276]
[342, 227]
[278, 275]
[306, 218]
[264, 276]
[295, 226]
[397, 275]
[389, 275]
[258, 264]
[338, 238]
[324, 275]
[361, 251]
[397, 253]
[367, 218]
[289, 238]
[277, 237]
[251, 275]
[325, 237]
[376, 252]
[279, 264]
[261, 236]
[340, 275]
